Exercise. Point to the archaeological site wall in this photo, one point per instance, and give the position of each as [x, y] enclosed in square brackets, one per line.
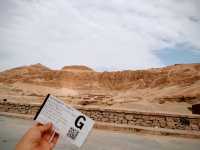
[127, 117]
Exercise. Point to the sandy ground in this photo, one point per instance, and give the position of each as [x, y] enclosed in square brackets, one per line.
[168, 107]
[12, 129]
[136, 100]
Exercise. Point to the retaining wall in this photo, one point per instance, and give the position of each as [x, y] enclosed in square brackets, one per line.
[128, 117]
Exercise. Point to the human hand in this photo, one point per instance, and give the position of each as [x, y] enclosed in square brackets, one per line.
[37, 138]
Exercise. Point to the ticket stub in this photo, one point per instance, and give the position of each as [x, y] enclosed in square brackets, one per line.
[70, 123]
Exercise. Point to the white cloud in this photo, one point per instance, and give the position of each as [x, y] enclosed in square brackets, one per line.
[118, 34]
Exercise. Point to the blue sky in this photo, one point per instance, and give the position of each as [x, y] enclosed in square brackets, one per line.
[180, 54]
[102, 34]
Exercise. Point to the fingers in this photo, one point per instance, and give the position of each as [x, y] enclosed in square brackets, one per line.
[54, 141]
[47, 130]
[47, 135]
[45, 127]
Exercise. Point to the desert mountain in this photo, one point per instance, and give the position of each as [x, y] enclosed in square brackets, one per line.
[176, 83]
[84, 77]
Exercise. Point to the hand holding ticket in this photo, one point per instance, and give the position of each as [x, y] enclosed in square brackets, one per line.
[70, 123]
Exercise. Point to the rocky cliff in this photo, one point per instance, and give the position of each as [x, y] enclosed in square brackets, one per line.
[85, 77]
[176, 83]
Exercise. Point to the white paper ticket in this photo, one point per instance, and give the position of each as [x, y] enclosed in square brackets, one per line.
[70, 123]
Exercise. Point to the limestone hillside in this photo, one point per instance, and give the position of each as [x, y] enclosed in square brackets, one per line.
[180, 82]
[84, 77]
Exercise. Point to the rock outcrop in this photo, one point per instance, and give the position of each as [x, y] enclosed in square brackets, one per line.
[78, 68]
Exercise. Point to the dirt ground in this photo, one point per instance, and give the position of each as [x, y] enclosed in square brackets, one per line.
[136, 100]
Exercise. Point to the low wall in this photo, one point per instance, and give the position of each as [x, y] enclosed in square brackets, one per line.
[128, 117]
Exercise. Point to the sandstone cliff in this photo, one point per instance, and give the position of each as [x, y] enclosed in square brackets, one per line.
[84, 77]
[177, 83]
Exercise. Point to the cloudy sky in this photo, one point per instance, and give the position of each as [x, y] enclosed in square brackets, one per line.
[103, 34]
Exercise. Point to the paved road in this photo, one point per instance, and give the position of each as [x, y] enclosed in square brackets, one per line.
[11, 129]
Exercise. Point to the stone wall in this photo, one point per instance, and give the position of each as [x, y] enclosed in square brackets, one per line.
[128, 117]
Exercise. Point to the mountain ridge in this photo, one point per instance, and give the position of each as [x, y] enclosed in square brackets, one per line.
[172, 88]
